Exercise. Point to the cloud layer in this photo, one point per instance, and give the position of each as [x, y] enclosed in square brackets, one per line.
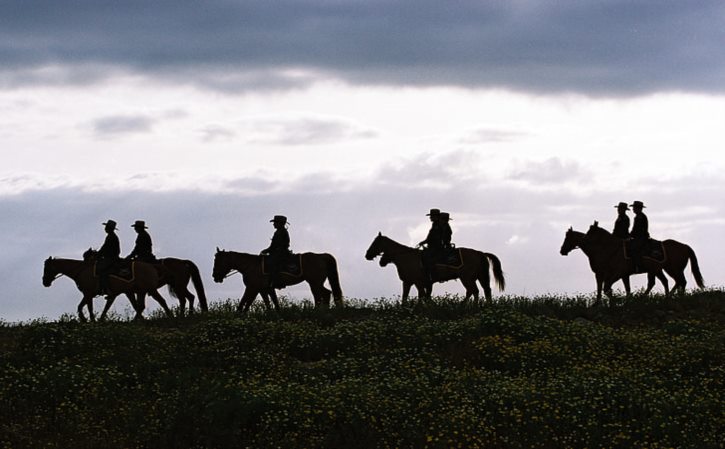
[593, 47]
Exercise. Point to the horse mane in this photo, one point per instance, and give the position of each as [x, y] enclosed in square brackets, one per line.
[397, 244]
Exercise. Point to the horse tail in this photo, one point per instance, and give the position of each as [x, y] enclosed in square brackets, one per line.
[198, 285]
[695, 268]
[498, 275]
[334, 278]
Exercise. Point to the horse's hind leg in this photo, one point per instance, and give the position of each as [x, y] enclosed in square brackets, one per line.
[485, 280]
[471, 289]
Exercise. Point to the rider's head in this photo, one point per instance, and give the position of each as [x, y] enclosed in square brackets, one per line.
[445, 216]
[622, 207]
[279, 221]
[637, 206]
[434, 214]
[110, 225]
[139, 225]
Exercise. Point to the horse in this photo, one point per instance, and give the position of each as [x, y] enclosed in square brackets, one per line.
[316, 269]
[145, 280]
[409, 263]
[607, 261]
[176, 273]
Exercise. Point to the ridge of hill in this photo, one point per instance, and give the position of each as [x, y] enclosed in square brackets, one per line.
[540, 372]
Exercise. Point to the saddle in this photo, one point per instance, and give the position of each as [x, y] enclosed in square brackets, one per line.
[123, 269]
[290, 265]
[652, 249]
[450, 257]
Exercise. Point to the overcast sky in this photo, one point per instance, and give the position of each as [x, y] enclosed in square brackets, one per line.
[520, 118]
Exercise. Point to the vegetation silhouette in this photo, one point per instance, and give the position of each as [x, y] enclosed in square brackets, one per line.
[144, 280]
[409, 263]
[176, 274]
[608, 261]
[315, 270]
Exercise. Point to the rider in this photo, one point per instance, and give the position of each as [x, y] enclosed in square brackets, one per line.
[446, 231]
[143, 249]
[278, 250]
[621, 225]
[433, 243]
[108, 256]
[639, 234]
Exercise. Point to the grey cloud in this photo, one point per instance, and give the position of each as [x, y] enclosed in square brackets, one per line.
[304, 131]
[493, 135]
[114, 125]
[214, 133]
[592, 47]
[550, 171]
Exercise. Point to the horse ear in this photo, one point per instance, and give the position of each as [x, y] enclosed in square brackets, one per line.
[380, 234]
[596, 224]
[217, 249]
[571, 228]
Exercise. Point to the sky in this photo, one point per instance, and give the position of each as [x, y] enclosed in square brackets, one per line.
[520, 118]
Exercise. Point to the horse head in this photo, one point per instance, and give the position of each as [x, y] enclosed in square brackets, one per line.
[50, 272]
[222, 265]
[572, 240]
[90, 255]
[385, 260]
[376, 248]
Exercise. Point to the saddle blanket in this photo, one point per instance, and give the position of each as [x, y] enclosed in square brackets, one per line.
[124, 270]
[291, 265]
[652, 249]
[451, 257]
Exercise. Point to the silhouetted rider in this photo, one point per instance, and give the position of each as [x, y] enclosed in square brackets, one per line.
[446, 231]
[143, 250]
[433, 243]
[108, 256]
[639, 233]
[621, 225]
[278, 250]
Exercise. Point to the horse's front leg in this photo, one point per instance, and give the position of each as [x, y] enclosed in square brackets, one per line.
[627, 288]
[87, 298]
[650, 283]
[265, 294]
[109, 303]
[665, 283]
[406, 292]
[600, 282]
[162, 302]
[247, 299]
[275, 301]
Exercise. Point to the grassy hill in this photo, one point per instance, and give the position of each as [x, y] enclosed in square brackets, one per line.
[542, 372]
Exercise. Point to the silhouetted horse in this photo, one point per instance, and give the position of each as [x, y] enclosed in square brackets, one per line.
[144, 280]
[316, 269]
[607, 260]
[176, 273]
[409, 263]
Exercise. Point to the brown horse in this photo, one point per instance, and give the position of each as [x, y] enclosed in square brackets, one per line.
[409, 263]
[145, 280]
[176, 273]
[607, 260]
[316, 269]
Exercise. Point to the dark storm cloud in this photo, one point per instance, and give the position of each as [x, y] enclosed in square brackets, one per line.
[594, 47]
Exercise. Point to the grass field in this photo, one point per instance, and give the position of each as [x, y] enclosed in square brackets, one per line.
[524, 372]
